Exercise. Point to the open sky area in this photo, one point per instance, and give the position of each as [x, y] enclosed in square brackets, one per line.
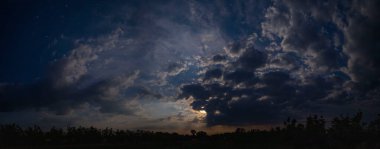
[176, 65]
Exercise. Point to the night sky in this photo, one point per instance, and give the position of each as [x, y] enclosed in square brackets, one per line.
[187, 64]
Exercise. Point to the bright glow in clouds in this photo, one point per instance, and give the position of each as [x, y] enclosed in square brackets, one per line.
[202, 112]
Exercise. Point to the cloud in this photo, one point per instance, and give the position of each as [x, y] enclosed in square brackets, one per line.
[79, 79]
[214, 73]
[288, 60]
[301, 63]
[234, 100]
[305, 29]
[195, 90]
[251, 59]
[330, 36]
[240, 75]
[94, 76]
[361, 41]
[219, 58]
[103, 70]
[243, 62]
[74, 67]
[105, 94]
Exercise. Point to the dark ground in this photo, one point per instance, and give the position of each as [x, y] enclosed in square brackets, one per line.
[345, 133]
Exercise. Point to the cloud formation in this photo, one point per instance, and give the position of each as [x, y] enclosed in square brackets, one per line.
[307, 59]
[243, 62]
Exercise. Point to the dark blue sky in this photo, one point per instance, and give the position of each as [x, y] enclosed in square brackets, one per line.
[38, 32]
[175, 65]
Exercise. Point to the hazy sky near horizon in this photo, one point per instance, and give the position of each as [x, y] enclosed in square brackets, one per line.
[175, 65]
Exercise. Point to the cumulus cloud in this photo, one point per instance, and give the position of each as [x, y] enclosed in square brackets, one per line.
[234, 100]
[330, 37]
[239, 76]
[219, 58]
[306, 59]
[74, 66]
[303, 28]
[362, 41]
[251, 59]
[214, 73]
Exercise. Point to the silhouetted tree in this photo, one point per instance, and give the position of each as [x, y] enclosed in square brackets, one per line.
[240, 130]
[193, 132]
[345, 132]
[201, 134]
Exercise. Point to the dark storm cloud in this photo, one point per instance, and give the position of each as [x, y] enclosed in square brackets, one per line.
[276, 77]
[245, 111]
[268, 99]
[356, 36]
[336, 34]
[362, 38]
[239, 75]
[328, 31]
[195, 90]
[302, 30]
[289, 60]
[213, 73]
[277, 88]
[326, 62]
[104, 94]
[235, 48]
[219, 58]
[228, 104]
[251, 59]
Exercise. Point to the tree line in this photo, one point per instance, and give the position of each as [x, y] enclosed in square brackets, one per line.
[343, 132]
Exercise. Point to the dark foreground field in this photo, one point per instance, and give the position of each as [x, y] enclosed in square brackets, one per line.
[343, 133]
